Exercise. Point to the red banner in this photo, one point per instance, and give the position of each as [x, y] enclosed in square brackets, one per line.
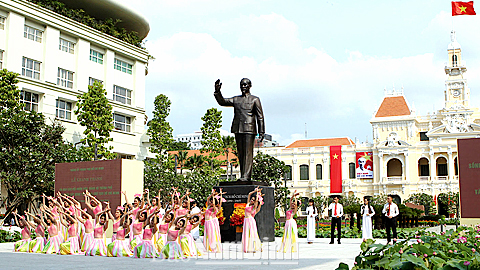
[463, 8]
[336, 169]
[469, 173]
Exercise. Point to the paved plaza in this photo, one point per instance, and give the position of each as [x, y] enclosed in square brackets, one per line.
[319, 255]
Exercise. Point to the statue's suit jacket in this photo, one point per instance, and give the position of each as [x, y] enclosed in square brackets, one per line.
[248, 113]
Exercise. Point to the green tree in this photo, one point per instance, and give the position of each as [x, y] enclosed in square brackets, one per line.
[177, 146]
[159, 129]
[228, 145]
[321, 202]
[29, 148]
[195, 162]
[422, 199]
[451, 200]
[94, 112]
[211, 139]
[182, 157]
[271, 170]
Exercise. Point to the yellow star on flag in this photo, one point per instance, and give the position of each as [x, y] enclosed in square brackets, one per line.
[335, 156]
[367, 157]
[463, 9]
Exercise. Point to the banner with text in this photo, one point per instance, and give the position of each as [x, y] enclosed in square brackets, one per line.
[364, 167]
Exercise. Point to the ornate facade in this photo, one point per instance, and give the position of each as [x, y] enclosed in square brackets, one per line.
[411, 153]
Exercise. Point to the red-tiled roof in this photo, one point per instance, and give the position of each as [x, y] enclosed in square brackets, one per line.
[393, 106]
[321, 142]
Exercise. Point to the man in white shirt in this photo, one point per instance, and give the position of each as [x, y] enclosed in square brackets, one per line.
[390, 210]
[336, 213]
[195, 210]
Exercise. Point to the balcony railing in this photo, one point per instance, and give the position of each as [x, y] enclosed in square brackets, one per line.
[441, 178]
[424, 178]
[392, 179]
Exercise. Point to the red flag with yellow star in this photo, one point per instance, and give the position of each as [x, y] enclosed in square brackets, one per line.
[463, 8]
[336, 169]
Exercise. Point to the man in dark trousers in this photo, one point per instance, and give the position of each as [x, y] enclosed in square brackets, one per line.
[390, 210]
[337, 213]
[248, 114]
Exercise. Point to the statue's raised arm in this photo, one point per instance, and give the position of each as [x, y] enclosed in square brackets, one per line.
[218, 85]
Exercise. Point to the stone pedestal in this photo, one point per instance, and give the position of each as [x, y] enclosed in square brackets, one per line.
[237, 192]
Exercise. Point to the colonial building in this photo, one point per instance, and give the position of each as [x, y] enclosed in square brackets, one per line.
[58, 58]
[409, 153]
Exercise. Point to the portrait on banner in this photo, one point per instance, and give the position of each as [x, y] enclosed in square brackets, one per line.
[364, 165]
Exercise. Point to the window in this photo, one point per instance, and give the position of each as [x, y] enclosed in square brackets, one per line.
[1, 59]
[454, 60]
[122, 122]
[31, 68]
[351, 170]
[2, 22]
[32, 33]
[65, 78]
[123, 66]
[66, 46]
[96, 56]
[303, 172]
[30, 100]
[319, 171]
[92, 80]
[423, 136]
[122, 95]
[288, 173]
[64, 109]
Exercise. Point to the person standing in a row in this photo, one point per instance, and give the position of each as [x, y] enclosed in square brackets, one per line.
[337, 213]
[367, 212]
[311, 216]
[390, 210]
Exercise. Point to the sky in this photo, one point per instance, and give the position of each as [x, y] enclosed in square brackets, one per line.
[320, 66]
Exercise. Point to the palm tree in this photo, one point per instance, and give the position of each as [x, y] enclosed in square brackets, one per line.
[228, 145]
[194, 162]
[182, 158]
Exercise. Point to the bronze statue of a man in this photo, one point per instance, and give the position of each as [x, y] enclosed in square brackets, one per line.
[248, 115]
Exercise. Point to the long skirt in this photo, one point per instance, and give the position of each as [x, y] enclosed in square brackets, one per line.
[212, 239]
[172, 250]
[70, 247]
[119, 248]
[310, 229]
[189, 248]
[161, 241]
[290, 237]
[22, 245]
[53, 245]
[146, 249]
[87, 240]
[250, 240]
[114, 237]
[367, 227]
[36, 246]
[97, 248]
[136, 240]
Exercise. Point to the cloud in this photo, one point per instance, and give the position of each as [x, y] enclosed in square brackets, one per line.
[296, 84]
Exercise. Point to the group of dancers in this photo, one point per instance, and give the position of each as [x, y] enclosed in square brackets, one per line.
[142, 229]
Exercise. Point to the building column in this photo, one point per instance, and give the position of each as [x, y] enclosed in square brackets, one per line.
[325, 169]
[407, 167]
[451, 165]
[433, 166]
[380, 166]
[295, 171]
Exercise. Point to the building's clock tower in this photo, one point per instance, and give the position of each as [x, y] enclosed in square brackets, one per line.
[457, 94]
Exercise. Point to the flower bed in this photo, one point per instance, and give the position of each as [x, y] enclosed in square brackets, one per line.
[427, 250]
[403, 233]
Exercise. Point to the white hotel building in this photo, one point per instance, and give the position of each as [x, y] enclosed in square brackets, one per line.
[57, 58]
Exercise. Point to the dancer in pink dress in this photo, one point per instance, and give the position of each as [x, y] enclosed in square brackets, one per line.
[71, 246]
[189, 247]
[24, 244]
[290, 234]
[172, 249]
[163, 230]
[98, 247]
[146, 249]
[54, 239]
[250, 239]
[86, 220]
[120, 247]
[117, 220]
[212, 239]
[137, 228]
[37, 245]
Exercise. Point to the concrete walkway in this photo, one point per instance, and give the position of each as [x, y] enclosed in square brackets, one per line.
[319, 255]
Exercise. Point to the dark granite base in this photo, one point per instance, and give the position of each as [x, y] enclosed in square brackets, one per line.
[265, 218]
[243, 183]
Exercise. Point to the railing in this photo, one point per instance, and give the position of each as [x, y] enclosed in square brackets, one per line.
[394, 178]
[442, 178]
[424, 178]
